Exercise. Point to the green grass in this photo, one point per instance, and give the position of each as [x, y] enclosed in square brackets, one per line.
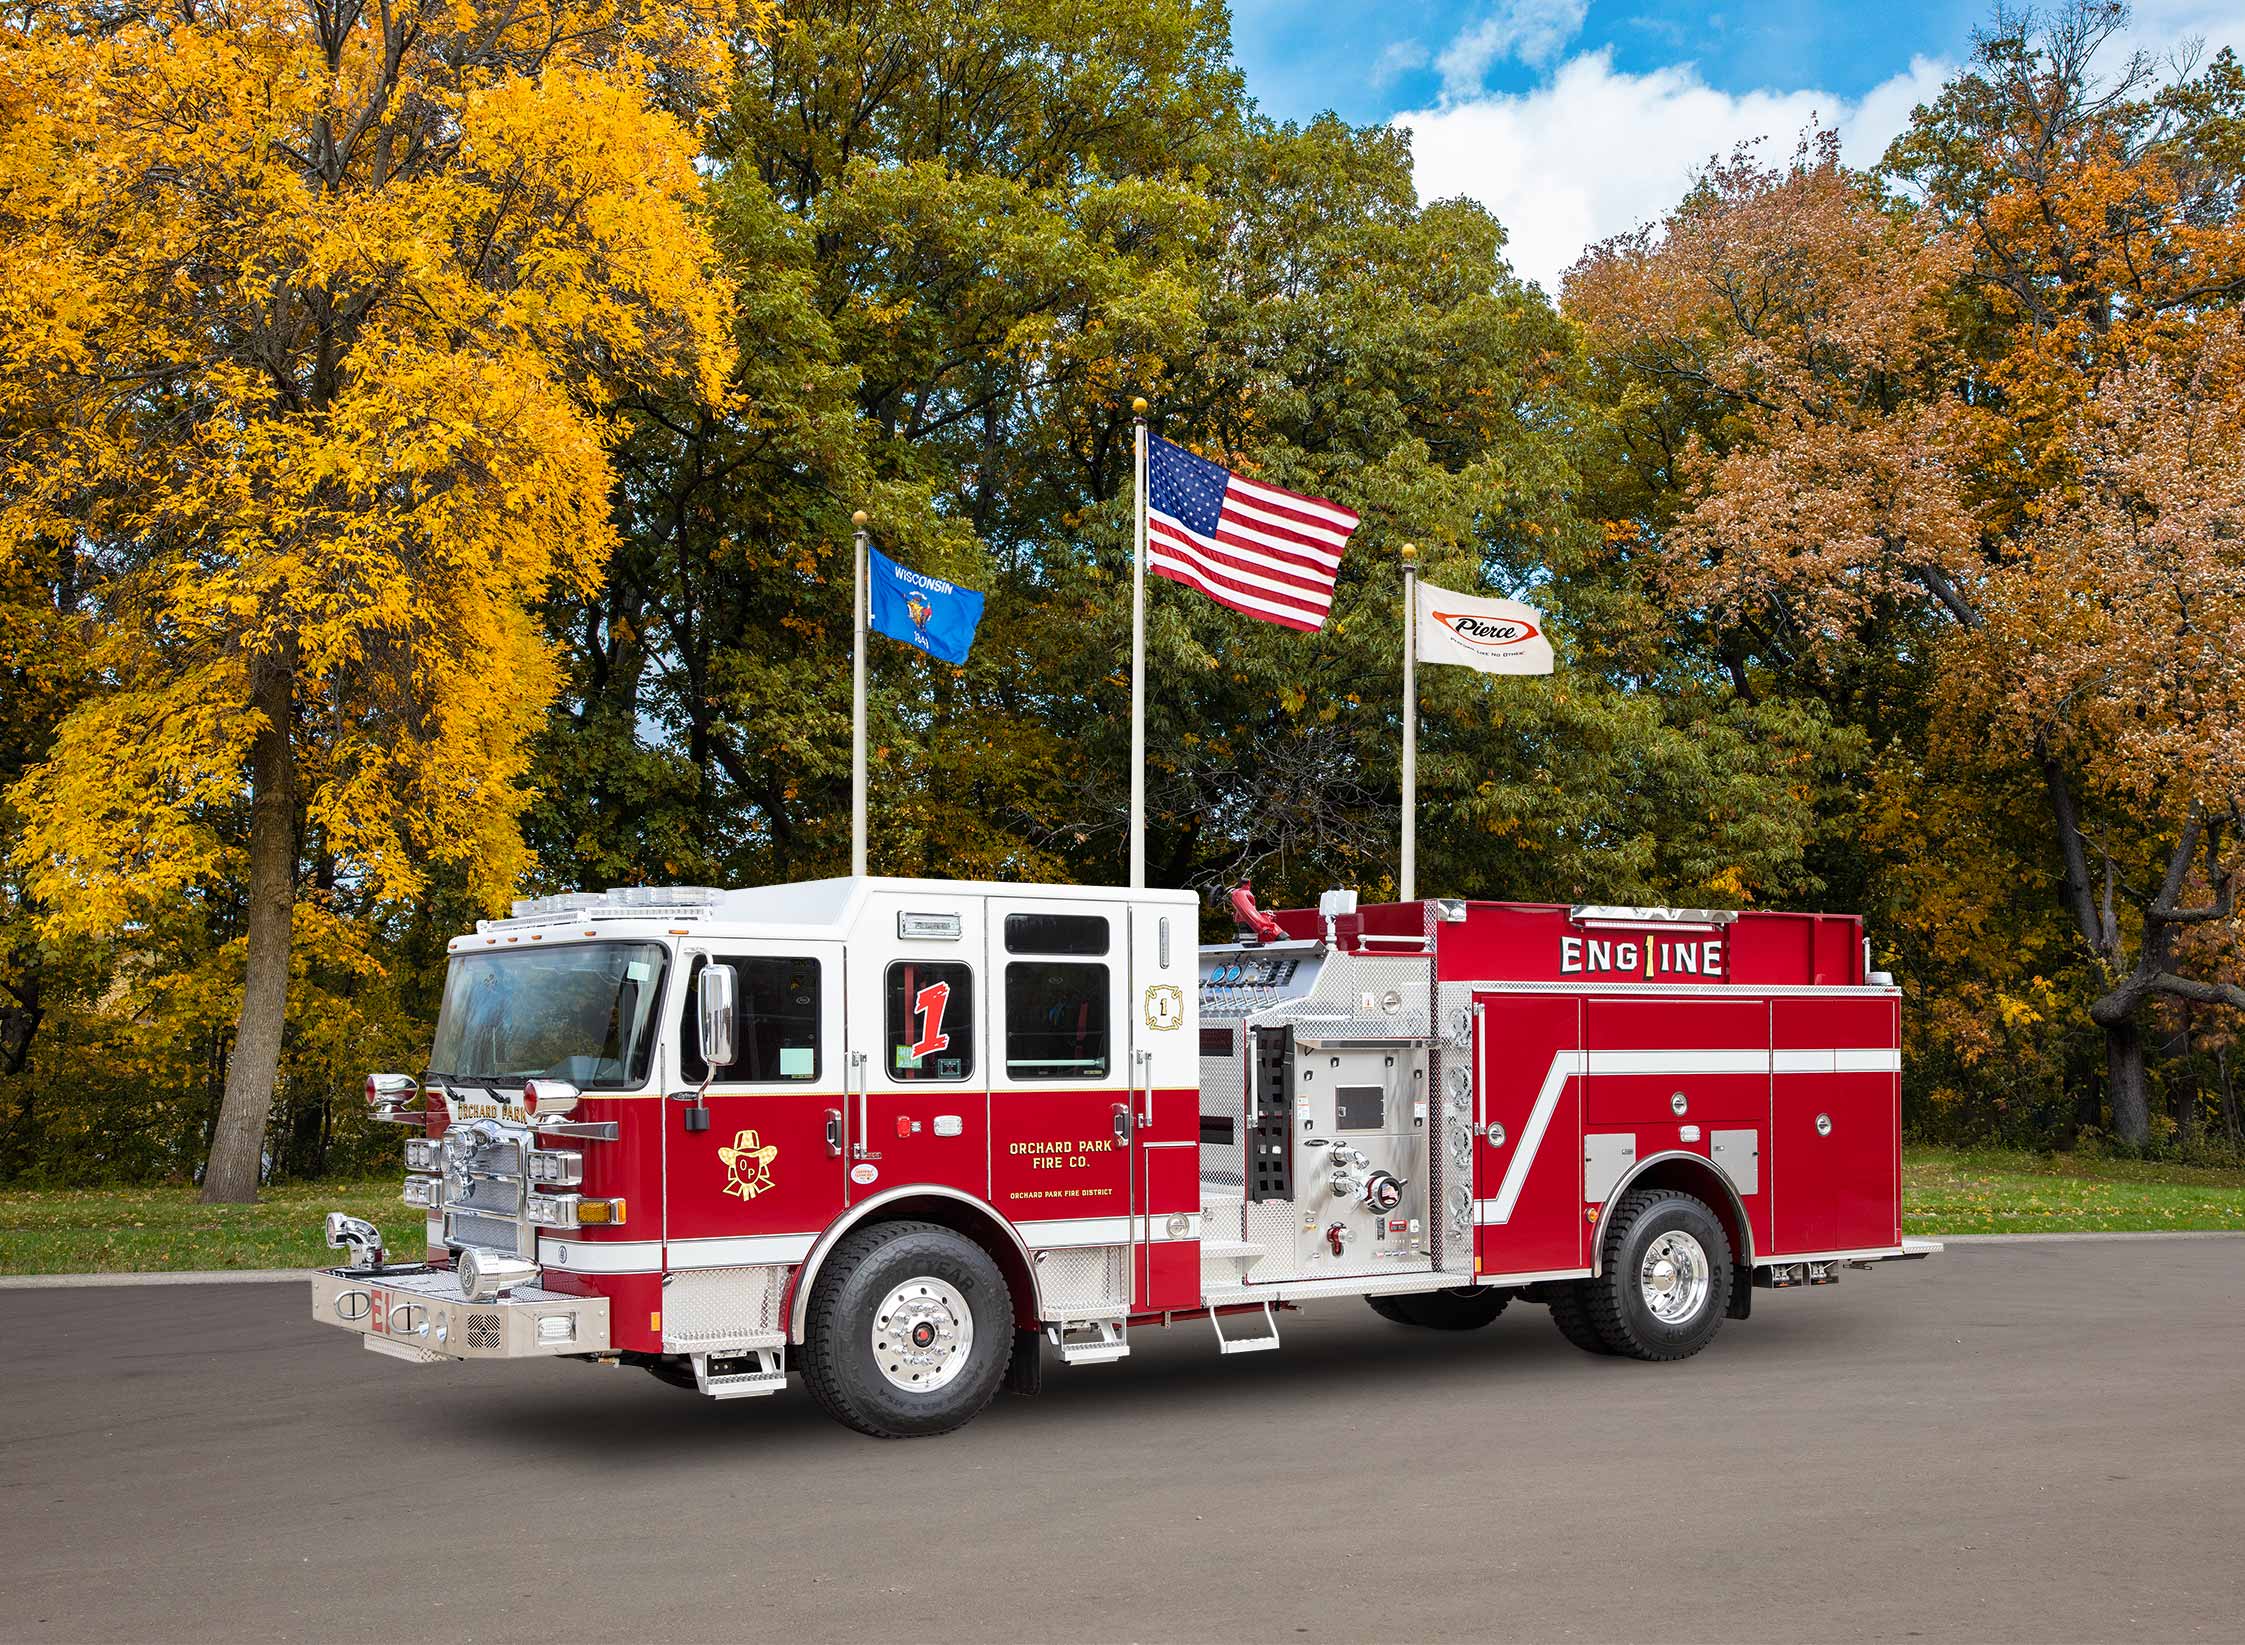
[1944, 1191]
[1948, 1191]
[141, 1230]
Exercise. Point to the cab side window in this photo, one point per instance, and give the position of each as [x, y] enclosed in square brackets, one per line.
[930, 1017]
[1056, 1020]
[779, 1022]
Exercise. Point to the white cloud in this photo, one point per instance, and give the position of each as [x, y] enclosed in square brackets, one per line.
[1398, 57]
[1593, 152]
[1534, 31]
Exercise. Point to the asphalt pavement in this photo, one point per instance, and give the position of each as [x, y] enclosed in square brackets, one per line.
[2029, 1442]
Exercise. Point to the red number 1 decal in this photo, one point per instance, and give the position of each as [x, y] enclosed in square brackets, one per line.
[929, 1003]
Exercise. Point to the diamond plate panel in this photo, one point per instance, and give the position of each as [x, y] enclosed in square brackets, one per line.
[712, 1307]
[1450, 1196]
[1223, 1095]
[1335, 1007]
[1083, 1280]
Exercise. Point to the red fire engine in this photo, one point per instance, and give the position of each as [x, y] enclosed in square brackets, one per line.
[901, 1135]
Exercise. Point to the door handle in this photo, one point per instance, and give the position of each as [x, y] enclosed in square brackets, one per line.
[864, 1093]
[834, 1132]
[1122, 1122]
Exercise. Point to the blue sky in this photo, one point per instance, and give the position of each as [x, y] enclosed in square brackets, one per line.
[1576, 119]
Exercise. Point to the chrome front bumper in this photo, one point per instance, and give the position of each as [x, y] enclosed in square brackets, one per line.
[424, 1317]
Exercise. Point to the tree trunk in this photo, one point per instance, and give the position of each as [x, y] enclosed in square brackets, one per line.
[2229, 1096]
[238, 1145]
[2124, 1081]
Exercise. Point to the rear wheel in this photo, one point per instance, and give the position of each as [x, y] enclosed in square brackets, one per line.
[1665, 1279]
[909, 1332]
[1466, 1309]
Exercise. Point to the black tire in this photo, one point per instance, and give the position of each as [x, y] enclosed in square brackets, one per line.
[839, 1361]
[1467, 1308]
[1617, 1303]
[1570, 1311]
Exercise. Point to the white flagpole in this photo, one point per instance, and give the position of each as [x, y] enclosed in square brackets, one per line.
[1410, 874]
[860, 594]
[1138, 659]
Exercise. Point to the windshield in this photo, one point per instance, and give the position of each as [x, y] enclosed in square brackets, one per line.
[584, 1013]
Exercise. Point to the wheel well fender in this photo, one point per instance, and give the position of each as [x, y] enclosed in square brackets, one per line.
[962, 1213]
[1696, 1175]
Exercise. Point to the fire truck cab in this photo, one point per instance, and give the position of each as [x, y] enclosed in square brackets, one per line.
[905, 1136]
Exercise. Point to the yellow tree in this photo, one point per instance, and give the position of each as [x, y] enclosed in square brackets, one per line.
[312, 317]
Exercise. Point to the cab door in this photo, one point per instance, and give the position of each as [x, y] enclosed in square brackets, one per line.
[1064, 1156]
[1163, 1025]
[770, 1163]
[919, 1065]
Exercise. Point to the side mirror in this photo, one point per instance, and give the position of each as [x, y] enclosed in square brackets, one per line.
[719, 1003]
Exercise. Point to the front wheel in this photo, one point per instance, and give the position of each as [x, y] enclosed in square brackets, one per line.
[909, 1332]
[1665, 1278]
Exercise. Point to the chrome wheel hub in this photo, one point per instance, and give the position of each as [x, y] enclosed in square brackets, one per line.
[1676, 1277]
[922, 1333]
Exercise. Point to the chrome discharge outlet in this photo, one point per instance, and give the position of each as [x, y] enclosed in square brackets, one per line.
[361, 1237]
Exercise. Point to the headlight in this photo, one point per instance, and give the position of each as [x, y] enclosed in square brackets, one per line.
[426, 1192]
[554, 1210]
[562, 1167]
[424, 1154]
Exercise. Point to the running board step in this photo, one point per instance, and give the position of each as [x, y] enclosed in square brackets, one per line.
[1245, 1345]
[1089, 1341]
[769, 1377]
[1233, 1248]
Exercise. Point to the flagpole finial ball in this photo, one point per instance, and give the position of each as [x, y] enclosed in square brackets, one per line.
[1138, 407]
[858, 519]
[1410, 551]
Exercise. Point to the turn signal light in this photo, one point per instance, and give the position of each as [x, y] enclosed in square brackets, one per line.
[573, 1211]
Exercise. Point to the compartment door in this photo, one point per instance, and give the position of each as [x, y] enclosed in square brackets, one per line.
[1528, 1112]
[1836, 1171]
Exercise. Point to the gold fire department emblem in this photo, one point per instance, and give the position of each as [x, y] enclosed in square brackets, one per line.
[749, 1164]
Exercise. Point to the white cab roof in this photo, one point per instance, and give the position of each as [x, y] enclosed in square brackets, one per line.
[803, 909]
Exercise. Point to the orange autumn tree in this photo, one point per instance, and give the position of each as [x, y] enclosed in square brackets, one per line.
[2113, 648]
[1880, 408]
[312, 316]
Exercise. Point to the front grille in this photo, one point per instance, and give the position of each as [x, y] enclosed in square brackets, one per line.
[484, 1194]
[485, 1191]
[487, 1233]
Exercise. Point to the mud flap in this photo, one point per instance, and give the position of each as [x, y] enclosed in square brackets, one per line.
[1025, 1372]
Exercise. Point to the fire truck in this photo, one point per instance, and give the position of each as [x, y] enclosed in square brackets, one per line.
[916, 1140]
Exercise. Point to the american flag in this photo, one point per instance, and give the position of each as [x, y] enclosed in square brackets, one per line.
[1269, 553]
